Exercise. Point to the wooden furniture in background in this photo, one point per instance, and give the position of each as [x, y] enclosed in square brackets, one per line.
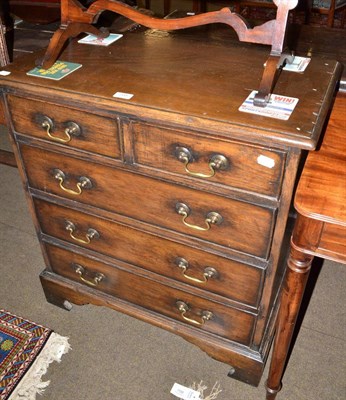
[166, 6]
[238, 5]
[35, 11]
[303, 13]
[6, 157]
[320, 230]
[329, 8]
[255, 10]
[4, 56]
[170, 206]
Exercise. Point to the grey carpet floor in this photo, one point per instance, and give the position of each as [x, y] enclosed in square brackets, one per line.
[115, 357]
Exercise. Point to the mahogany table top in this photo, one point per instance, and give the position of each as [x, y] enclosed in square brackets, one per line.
[321, 192]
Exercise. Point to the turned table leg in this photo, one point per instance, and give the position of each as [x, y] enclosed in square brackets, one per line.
[298, 268]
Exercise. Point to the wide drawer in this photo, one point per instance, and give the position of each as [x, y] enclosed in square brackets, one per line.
[82, 130]
[219, 275]
[201, 313]
[239, 225]
[243, 166]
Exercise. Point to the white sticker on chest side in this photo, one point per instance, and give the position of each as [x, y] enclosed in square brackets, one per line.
[122, 95]
[265, 161]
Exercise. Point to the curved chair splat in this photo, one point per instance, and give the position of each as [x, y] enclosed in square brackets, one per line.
[76, 19]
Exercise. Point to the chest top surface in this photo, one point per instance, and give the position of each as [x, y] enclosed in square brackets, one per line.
[194, 78]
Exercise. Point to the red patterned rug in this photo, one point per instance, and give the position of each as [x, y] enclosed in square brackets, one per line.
[26, 350]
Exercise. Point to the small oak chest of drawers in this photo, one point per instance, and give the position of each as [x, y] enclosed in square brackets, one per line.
[170, 206]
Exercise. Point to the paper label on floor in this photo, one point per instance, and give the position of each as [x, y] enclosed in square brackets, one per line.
[298, 64]
[184, 393]
[98, 41]
[278, 107]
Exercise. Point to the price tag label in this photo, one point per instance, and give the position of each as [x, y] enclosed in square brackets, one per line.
[184, 393]
[265, 161]
[122, 95]
[299, 64]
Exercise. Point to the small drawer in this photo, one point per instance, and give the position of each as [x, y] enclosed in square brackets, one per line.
[198, 268]
[234, 224]
[179, 305]
[238, 165]
[57, 124]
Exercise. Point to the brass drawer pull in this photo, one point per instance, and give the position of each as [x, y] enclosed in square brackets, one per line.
[213, 218]
[91, 233]
[184, 308]
[79, 270]
[83, 182]
[71, 129]
[208, 273]
[216, 163]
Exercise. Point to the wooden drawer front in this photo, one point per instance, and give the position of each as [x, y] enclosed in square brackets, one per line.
[244, 227]
[97, 134]
[252, 168]
[226, 277]
[227, 322]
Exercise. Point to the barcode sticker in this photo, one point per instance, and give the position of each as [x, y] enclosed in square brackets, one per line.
[184, 393]
[265, 161]
[122, 95]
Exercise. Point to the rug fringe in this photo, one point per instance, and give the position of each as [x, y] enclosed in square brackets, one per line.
[31, 384]
[200, 387]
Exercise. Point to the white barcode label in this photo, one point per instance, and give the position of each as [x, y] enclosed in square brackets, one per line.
[265, 161]
[122, 95]
[184, 393]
